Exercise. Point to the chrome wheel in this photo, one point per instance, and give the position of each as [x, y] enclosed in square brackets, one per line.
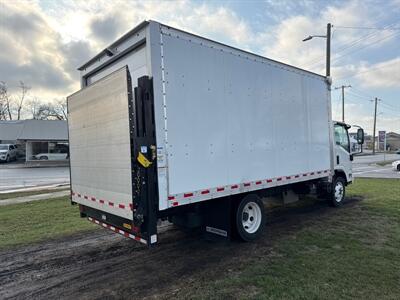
[251, 217]
[339, 191]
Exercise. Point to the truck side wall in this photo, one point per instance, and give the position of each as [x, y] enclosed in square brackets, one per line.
[227, 119]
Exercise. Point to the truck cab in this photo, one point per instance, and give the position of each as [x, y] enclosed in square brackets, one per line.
[343, 156]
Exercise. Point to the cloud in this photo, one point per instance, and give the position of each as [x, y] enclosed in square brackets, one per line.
[362, 115]
[381, 75]
[74, 54]
[106, 28]
[31, 50]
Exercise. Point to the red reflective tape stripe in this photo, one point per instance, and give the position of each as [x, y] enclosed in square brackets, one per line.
[131, 206]
[235, 186]
[220, 189]
[279, 179]
[312, 173]
[86, 197]
[258, 182]
[79, 195]
[137, 238]
[175, 203]
[121, 205]
[73, 193]
[101, 201]
[304, 174]
[269, 180]
[288, 177]
[93, 199]
[110, 203]
[297, 176]
[188, 195]
[246, 184]
[171, 197]
[319, 172]
[205, 192]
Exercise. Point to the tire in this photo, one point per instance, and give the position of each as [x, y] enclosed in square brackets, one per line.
[398, 167]
[8, 159]
[338, 191]
[43, 158]
[250, 218]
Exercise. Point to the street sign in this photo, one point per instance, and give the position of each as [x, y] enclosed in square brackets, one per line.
[381, 139]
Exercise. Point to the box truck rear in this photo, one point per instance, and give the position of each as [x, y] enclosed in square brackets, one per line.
[172, 126]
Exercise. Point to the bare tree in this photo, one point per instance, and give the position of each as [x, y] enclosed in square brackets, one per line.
[52, 111]
[20, 101]
[5, 102]
[34, 105]
[62, 108]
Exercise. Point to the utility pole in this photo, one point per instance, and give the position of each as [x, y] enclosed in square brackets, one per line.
[373, 137]
[328, 49]
[343, 87]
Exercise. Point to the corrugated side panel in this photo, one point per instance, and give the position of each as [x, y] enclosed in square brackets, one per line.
[99, 140]
[236, 122]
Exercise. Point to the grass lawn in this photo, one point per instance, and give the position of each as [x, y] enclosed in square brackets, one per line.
[30, 193]
[39, 220]
[354, 253]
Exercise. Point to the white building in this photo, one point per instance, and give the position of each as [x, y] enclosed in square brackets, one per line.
[33, 137]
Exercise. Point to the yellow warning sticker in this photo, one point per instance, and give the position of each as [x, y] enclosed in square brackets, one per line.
[128, 226]
[143, 160]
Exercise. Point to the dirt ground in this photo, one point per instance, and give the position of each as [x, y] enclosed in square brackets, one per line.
[101, 264]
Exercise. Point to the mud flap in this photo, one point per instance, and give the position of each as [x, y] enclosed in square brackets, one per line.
[218, 224]
[144, 162]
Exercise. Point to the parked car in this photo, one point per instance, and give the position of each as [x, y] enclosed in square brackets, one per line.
[398, 151]
[396, 165]
[58, 154]
[8, 152]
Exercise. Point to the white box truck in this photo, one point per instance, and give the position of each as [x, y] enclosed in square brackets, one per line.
[172, 126]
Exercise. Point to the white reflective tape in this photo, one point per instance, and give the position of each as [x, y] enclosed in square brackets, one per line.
[153, 239]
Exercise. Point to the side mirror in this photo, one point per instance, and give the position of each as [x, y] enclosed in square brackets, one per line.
[360, 136]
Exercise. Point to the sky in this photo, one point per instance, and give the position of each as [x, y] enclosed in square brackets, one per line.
[43, 42]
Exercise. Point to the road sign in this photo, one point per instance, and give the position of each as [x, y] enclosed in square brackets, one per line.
[381, 139]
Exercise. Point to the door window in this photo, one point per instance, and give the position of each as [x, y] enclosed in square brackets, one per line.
[342, 138]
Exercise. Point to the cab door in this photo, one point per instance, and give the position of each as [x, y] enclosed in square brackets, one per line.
[343, 156]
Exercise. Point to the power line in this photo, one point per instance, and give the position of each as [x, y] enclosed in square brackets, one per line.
[368, 28]
[362, 92]
[366, 71]
[354, 43]
[363, 37]
[365, 46]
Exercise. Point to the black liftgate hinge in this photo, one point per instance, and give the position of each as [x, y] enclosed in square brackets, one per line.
[144, 162]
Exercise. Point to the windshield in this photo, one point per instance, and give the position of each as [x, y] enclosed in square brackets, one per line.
[3, 147]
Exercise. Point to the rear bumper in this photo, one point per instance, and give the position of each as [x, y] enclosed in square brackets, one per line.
[117, 224]
[117, 230]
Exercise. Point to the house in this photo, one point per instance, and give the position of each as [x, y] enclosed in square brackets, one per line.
[392, 141]
[33, 137]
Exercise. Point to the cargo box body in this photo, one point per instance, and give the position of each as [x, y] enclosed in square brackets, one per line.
[223, 122]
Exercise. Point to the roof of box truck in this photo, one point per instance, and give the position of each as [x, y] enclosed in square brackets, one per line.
[145, 23]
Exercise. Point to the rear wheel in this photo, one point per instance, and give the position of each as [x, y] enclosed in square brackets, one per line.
[43, 158]
[398, 167]
[338, 191]
[250, 218]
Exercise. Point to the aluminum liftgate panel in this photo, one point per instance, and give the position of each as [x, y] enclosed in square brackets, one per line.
[105, 135]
